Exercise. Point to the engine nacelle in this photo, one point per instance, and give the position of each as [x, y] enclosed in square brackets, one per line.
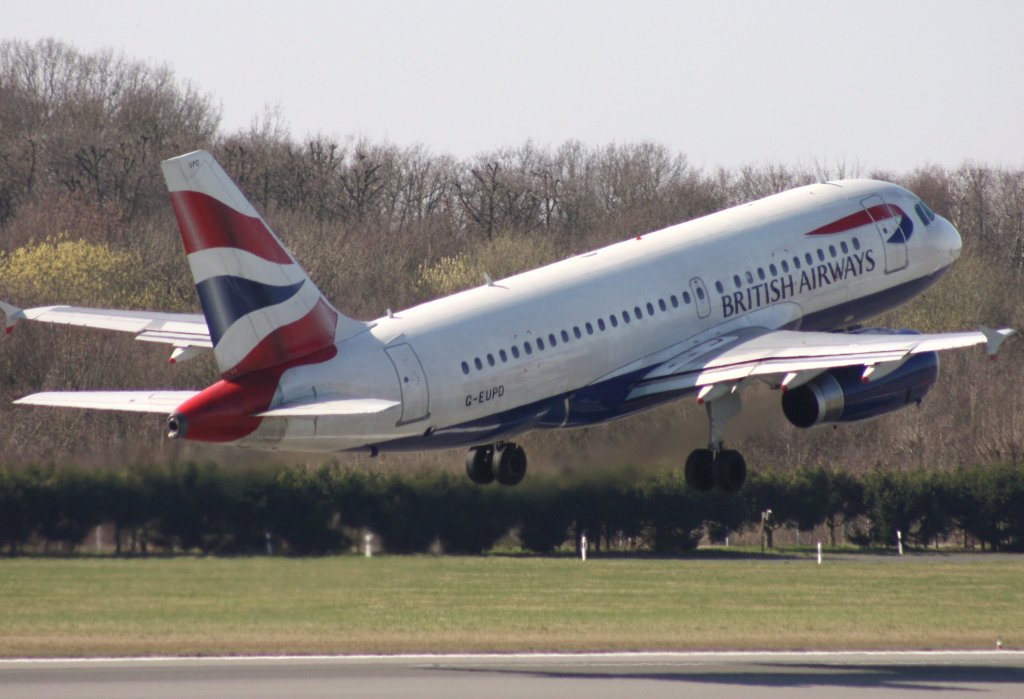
[839, 395]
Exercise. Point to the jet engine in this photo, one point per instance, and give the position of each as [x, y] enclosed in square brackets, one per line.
[840, 395]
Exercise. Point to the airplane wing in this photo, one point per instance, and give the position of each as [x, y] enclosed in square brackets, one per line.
[187, 332]
[128, 401]
[789, 358]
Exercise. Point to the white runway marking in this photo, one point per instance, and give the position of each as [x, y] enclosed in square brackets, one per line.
[630, 657]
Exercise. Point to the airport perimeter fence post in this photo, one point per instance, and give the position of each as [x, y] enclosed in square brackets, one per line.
[899, 541]
[766, 517]
[368, 545]
[583, 547]
[819, 553]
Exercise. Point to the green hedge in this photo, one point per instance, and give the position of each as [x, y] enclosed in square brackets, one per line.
[314, 511]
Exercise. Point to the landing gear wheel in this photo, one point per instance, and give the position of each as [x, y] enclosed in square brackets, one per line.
[478, 464]
[509, 463]
[729, 471]
[699, 466]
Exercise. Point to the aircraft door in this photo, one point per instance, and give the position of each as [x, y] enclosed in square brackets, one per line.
[701, 297]
[894, 243]
[412, 382]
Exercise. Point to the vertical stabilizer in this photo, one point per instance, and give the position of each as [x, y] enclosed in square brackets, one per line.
[261, 307]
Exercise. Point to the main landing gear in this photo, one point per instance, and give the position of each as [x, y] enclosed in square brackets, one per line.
[504, 462]
[725, 470]
[716, 467]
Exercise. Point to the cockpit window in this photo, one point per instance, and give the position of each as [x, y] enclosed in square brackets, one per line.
[924, 213]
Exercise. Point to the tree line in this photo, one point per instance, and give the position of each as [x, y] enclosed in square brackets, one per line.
[84, 219]
[202, 508]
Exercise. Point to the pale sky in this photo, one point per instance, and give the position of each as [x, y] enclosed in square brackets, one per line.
[873, 84]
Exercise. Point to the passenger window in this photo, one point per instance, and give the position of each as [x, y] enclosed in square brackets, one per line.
[540, 344]
[785, 267]
[856, 244]
[844, 247]
[515, 351]
[479, 365]
[821, 255]
[674, 301]
[773, 269]
[796, 261]
[490, 359]
[614, 321]
[600, 324]
[465, 368]
[700, 293]
[551, 340]
[625, 317]
[760, 273]
[590, 328]
[637, 312]
[502, 355]
[737, 281]
[528, 347]
[650, 308]
[750, 277]
[810, 260]
[686, 297]
[832, 250]
[565, 336]
[662, 306]
[576, 331]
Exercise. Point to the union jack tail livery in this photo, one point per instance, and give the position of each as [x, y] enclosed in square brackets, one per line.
[261, 308]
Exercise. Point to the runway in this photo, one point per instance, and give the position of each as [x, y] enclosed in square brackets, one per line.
[648, 675]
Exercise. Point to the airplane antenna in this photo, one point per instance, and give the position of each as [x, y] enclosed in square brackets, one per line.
[487, 278]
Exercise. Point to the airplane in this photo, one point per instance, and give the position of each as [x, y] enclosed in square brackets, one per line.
[775, 290]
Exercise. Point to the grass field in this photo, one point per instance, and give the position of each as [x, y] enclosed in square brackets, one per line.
[188, 606]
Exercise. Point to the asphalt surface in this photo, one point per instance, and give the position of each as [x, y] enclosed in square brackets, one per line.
[594, 676]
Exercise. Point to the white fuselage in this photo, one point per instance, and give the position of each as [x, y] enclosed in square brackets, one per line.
[562, 344]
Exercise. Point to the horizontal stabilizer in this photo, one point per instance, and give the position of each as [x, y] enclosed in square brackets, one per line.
[127, 401]
[337, 406]
[186, 331]
[172, 328]
[12, 314]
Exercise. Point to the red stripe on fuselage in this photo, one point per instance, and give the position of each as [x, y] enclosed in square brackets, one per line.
[226, 411]
[311, 333]
[879, 212]
[206, 222]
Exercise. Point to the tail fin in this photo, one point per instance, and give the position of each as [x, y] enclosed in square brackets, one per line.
[261, 308]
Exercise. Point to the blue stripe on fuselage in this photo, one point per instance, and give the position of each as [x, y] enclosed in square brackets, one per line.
[587, 406]
[226, 299]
